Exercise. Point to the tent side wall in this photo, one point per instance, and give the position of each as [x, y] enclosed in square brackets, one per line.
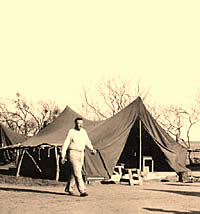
[175, 153]
[9, 138]
[38, 163]
[110, 138]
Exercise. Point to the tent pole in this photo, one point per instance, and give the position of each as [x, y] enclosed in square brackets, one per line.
[140, 157]
[57, 164]
[20, 162]
[17, 157]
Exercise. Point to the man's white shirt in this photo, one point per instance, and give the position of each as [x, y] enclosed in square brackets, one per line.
[76, 140]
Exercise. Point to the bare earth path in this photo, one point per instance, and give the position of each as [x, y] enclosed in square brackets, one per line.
[153, 197]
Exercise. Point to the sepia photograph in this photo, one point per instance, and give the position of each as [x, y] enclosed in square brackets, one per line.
[100, 107]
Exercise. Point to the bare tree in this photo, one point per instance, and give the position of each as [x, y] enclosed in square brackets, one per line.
[25, 118]
[173, 120]
[112, 95]
[176, 120]
[193, 118]
[48, 112]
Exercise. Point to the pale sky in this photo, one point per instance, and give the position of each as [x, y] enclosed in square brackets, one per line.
[49, 48]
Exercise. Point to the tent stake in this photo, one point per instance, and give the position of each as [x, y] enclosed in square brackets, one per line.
[140, 157]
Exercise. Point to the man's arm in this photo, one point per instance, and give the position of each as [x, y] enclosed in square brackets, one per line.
[89, 145]
[65, 146]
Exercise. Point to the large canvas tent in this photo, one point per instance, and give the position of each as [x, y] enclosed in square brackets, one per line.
[124, 138]
[8, 138]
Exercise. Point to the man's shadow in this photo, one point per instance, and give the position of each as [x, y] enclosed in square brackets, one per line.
[171, 211]
[34, 191]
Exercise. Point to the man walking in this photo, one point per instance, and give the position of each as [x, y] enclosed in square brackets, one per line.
[75, 143]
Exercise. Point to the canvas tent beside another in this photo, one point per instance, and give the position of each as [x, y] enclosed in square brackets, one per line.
[126, 138]
[9, 138]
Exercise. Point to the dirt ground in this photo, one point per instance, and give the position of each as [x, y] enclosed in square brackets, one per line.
[152, 197]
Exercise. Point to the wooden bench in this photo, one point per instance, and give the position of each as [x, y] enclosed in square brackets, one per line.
[132, 176]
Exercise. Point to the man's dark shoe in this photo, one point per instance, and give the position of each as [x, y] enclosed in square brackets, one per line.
[66, 189]
[84, 194]
[69, 192]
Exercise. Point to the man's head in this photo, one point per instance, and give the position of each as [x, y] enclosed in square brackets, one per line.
[78, 123]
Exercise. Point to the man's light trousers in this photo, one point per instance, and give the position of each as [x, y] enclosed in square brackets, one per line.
[76, 158]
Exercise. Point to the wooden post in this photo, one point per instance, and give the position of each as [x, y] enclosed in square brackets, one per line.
[140, 181]
[20, 163]
[17, 157]
[140, 154]
[57, 164]
[135, 177]
[131, 182]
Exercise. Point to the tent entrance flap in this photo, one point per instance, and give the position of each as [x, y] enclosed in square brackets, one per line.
[139, 145]
[130, 156]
